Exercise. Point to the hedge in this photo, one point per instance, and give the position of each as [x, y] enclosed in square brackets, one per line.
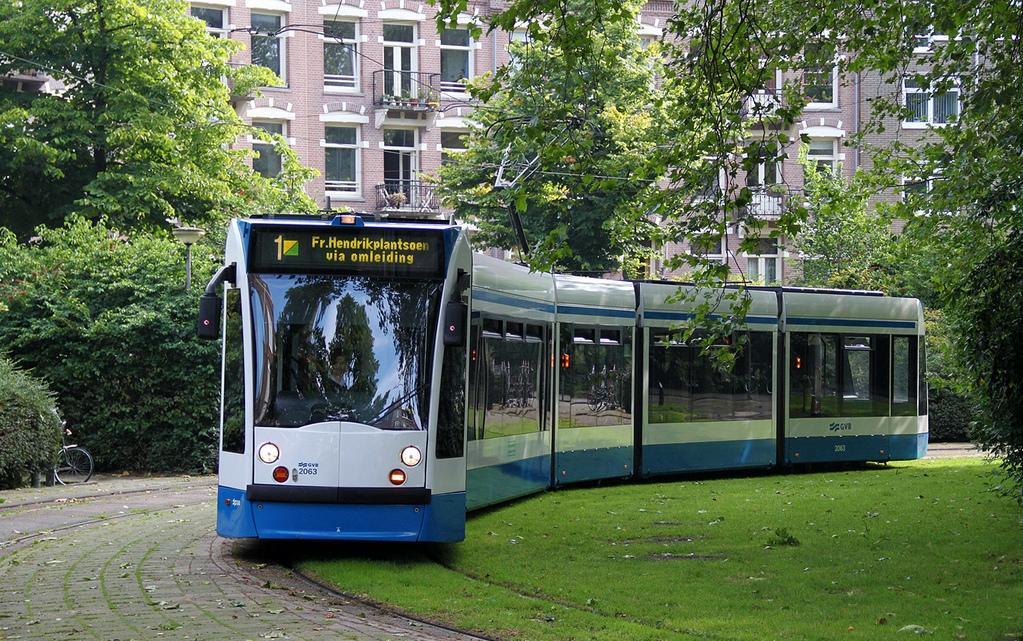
[105, 319]
[29, 426]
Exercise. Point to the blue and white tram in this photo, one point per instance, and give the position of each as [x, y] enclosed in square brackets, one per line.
[380, 380]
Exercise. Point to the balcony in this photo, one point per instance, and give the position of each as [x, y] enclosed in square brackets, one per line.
[407, 91]
[769, 202]
[761, 105]
[25, 79]
[407, 197]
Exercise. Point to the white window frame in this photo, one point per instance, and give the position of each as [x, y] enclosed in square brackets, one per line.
[459, 87]
[834, 91]
[451, 150]
[761, 263]
[281, 43]
[929, 122]
[931, 39]
[416, 159]
[256, 142]
[338, 191]
[356, 83]
[721, 256]
[413, 46]
[835, 156]
[216, 33]
[518, 37]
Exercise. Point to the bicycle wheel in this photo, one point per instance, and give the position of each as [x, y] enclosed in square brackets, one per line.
[75, 466]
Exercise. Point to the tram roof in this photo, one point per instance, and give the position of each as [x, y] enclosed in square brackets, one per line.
[335, 221]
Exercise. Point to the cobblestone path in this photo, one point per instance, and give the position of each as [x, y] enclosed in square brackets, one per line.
[148, 565]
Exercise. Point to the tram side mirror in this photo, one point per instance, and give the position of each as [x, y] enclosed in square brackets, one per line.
[454, 323]
[209, 316]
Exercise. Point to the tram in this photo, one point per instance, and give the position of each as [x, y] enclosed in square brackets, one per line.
[380, 380]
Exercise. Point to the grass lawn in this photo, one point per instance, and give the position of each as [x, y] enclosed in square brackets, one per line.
[827, 555]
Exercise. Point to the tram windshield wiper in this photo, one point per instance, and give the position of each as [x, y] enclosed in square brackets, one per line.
[407, 417]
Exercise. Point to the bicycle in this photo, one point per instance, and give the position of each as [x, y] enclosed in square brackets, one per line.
[74, 465]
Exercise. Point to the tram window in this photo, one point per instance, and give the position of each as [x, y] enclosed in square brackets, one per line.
[333, 348]
[670, 396]
[475, 421]
[595, 388]
[584, 335]
[510, 375]
[534, 332]
[610, 336]
[513, 330]
[904, 384]
[864, 376]
[759, 379]
[922, 375]
[492, 327]
[813, 375]
[832, 375]
[451, 411]
[233, 392]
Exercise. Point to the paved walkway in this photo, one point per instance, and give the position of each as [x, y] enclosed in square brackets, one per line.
[139, 559]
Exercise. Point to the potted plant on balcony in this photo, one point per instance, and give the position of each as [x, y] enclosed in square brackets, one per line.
[396, 200]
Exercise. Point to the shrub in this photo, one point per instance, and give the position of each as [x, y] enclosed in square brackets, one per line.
[29, 427]
[949, 416]
[105, 319]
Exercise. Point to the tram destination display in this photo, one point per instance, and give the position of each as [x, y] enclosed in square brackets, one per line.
[358, 250]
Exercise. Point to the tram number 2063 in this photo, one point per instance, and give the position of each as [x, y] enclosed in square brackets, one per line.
[308, 468]
[839, 448]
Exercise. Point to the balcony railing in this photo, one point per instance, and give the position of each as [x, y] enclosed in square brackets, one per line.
[339, 80]
[407, 196]
[770, 202]
[406, 90]
[761, 105]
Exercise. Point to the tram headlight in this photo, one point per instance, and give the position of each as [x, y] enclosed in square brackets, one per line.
[268, 452]
[411, 456]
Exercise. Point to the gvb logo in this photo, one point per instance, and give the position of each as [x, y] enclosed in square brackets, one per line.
[285, 247]
[839, 427]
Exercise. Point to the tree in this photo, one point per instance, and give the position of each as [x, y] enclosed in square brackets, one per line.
[142, 129]
[572, 139]
[845, 243]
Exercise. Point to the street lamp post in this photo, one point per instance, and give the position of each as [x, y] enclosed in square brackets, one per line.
[189, 236]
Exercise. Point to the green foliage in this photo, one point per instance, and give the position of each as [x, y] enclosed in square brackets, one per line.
[574, 118]
[949, 416]
[142, 129]
[844, 243]
[105, 319]
[781, 537]
[987, 320]
[29, 426]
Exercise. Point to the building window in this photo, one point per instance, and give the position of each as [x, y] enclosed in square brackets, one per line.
[517, 41]
[267, 161]
[455, 59]
[926, 107]
[710, 247]
[823, 152]
[341, 159]
[401, 161]
[215, 19]
[765, 172]
[399, 62]
[267, 44]
[819, 86]
[340, 55]
[452, 142]
[764, 266]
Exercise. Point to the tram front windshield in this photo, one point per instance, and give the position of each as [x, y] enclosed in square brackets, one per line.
[343, 348]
